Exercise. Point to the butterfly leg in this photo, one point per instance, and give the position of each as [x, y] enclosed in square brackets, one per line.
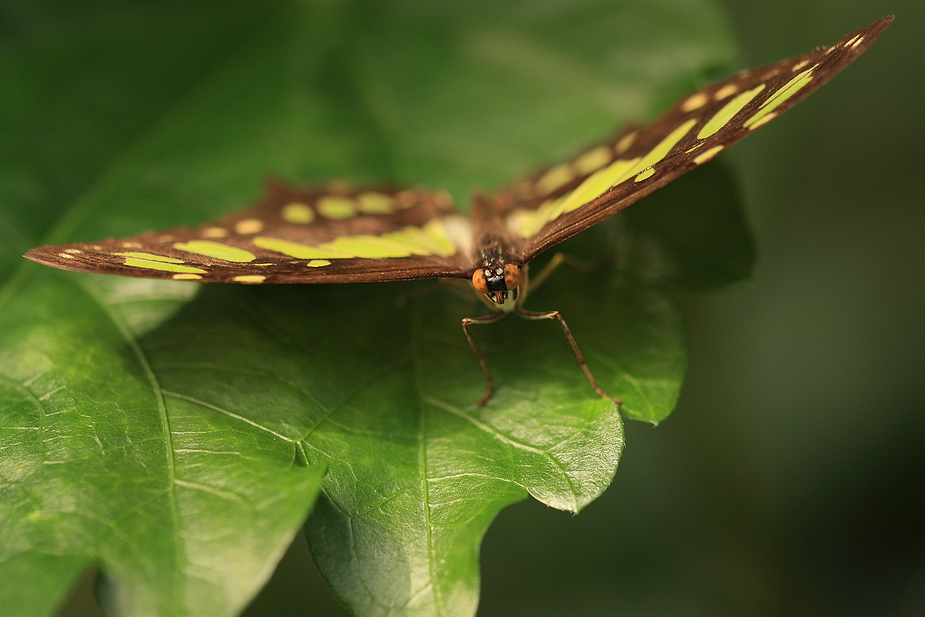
[489, 382]
[571, 340]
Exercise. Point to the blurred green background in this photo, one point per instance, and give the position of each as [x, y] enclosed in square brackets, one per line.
[790, 479]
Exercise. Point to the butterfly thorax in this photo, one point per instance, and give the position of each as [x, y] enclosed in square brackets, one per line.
[500, 276]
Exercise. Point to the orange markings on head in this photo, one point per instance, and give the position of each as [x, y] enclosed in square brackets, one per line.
[513, 276]
[479, 281]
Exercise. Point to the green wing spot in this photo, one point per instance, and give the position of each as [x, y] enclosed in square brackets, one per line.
[216, 250]
[780, 97]
[317, 263]
[337, 207]
[135, 262]
[730, 109]
[294, 249]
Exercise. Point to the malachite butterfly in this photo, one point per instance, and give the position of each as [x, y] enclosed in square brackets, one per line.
[338, 234]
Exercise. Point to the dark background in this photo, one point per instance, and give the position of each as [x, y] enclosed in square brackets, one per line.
[790, 478]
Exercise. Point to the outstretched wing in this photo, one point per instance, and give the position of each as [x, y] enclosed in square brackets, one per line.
[563, 200]
[326, 235]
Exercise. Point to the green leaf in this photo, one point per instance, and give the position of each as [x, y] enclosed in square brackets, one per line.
[174, 435]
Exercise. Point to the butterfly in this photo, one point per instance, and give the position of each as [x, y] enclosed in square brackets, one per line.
[339, 234]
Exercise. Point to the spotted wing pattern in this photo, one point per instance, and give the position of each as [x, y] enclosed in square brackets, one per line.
[329, 235]
[342, 235]
[565, 199]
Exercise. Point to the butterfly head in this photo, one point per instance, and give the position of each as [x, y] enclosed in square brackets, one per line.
[500, 286]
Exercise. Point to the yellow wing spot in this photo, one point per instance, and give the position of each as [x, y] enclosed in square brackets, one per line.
[854, 41]
[73, 251]
[214, 232]
[432, 239]
[780, 97]
[249, 278]
[644, 175]
[371, 247]
[151, 257]
[592, 160]
[131, 245]
[730, 109]
[705, 156]
[554, 178]
[248, 226]
[294, 249]
[317, 263]
[695, 101]
[625, 142]
[66, 256]
[762, 121]
[216, 250]
[859, 40]
[450, 235]
[297, 213]
[660, 151]
[527, 223]
[163, 266]
[725, 92]
[186, 277]
[372, 202]
[799, 65]
[337, 207]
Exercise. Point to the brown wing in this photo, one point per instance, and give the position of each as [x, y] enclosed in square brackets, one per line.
[325, 235]
[568, 198]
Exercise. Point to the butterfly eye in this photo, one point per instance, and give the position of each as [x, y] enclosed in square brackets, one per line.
[480, 282]
[513, 275]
